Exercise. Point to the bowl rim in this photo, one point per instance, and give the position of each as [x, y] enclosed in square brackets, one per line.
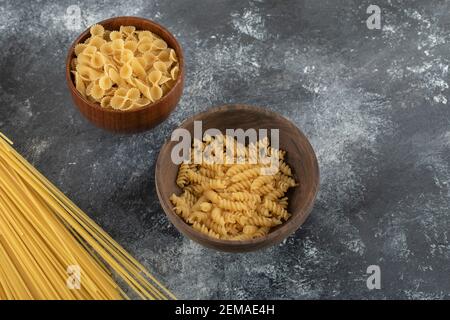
[71, 53]
[287, 228]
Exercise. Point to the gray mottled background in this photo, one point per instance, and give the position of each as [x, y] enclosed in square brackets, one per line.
[373, 103]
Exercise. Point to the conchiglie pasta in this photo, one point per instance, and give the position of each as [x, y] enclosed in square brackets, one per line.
[83, 59]
[131, 45]
[115, 76]
[105, 82]
[144, 34]
[117, 102]
[126, 71]
[97, 42]
[154, 77]
[117, 44]
[156, 93]
[126, 56]
[79, 48]
[144, 47]
[174, 72]
[88, 73]
[123, 69]
[173, 56]
[79, 84]
[105, 102]
[164, 56]
[141, 102]
[133, 94]
[89, 50]
[159, 44]
[160, 66]
[165, 87]
[138, 69]
[106, 49]
[115, 35]
[89, 88]
[121, 92]
[144, 89]
[127, 30]
[97, 60]
[97, 92]
[97, 30]
[143, 63]
[163, 80]
[149, 58]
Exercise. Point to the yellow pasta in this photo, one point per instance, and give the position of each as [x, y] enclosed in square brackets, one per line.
[105, 82]
[127, 30]
[161, 66]
[144, 89]
[107, 49]
[115, 35]
[141, 102]
[124, 58]
[145, 34]
[79, 48]
[97, 92]
[97, 30]
[174, 72]
[97, 42]
[126, 55]
[131, 45]
[233, 201]
[159, 44]
[105, 102]
[154, 77]
[144, 47]
[51, 250]
[182, 178]
[133, 94]
[126, 71]
[117, 102]
[163, 80]
[156, 93]
[79, 84]
[138, 69]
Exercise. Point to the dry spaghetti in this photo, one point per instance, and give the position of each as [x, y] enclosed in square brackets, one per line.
[43, 235]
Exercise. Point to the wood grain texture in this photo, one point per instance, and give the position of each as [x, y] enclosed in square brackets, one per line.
[139, 119]
[300, 157]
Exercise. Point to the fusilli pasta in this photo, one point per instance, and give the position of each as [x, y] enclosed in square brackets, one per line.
[233, 201]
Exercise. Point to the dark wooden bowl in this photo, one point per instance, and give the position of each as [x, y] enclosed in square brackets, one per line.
[300, 157]
[139, 119]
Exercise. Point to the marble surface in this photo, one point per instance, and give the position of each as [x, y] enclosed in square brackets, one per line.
[373, 103]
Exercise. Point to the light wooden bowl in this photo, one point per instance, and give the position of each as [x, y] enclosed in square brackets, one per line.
[139, 119]
[300, 157]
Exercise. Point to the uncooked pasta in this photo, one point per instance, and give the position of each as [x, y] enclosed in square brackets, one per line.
[124, 69]
[233, 201]
[50, 249]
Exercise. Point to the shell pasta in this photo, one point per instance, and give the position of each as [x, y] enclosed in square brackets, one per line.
[124, 69]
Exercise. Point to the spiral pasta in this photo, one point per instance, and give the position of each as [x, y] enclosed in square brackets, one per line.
[127, 59]
[182, 178]
[232, 201]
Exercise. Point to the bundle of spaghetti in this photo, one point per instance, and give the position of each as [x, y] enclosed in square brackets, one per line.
[43, 234]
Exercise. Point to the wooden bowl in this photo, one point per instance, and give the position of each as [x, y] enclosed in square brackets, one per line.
[139, 119]
[300, 157]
